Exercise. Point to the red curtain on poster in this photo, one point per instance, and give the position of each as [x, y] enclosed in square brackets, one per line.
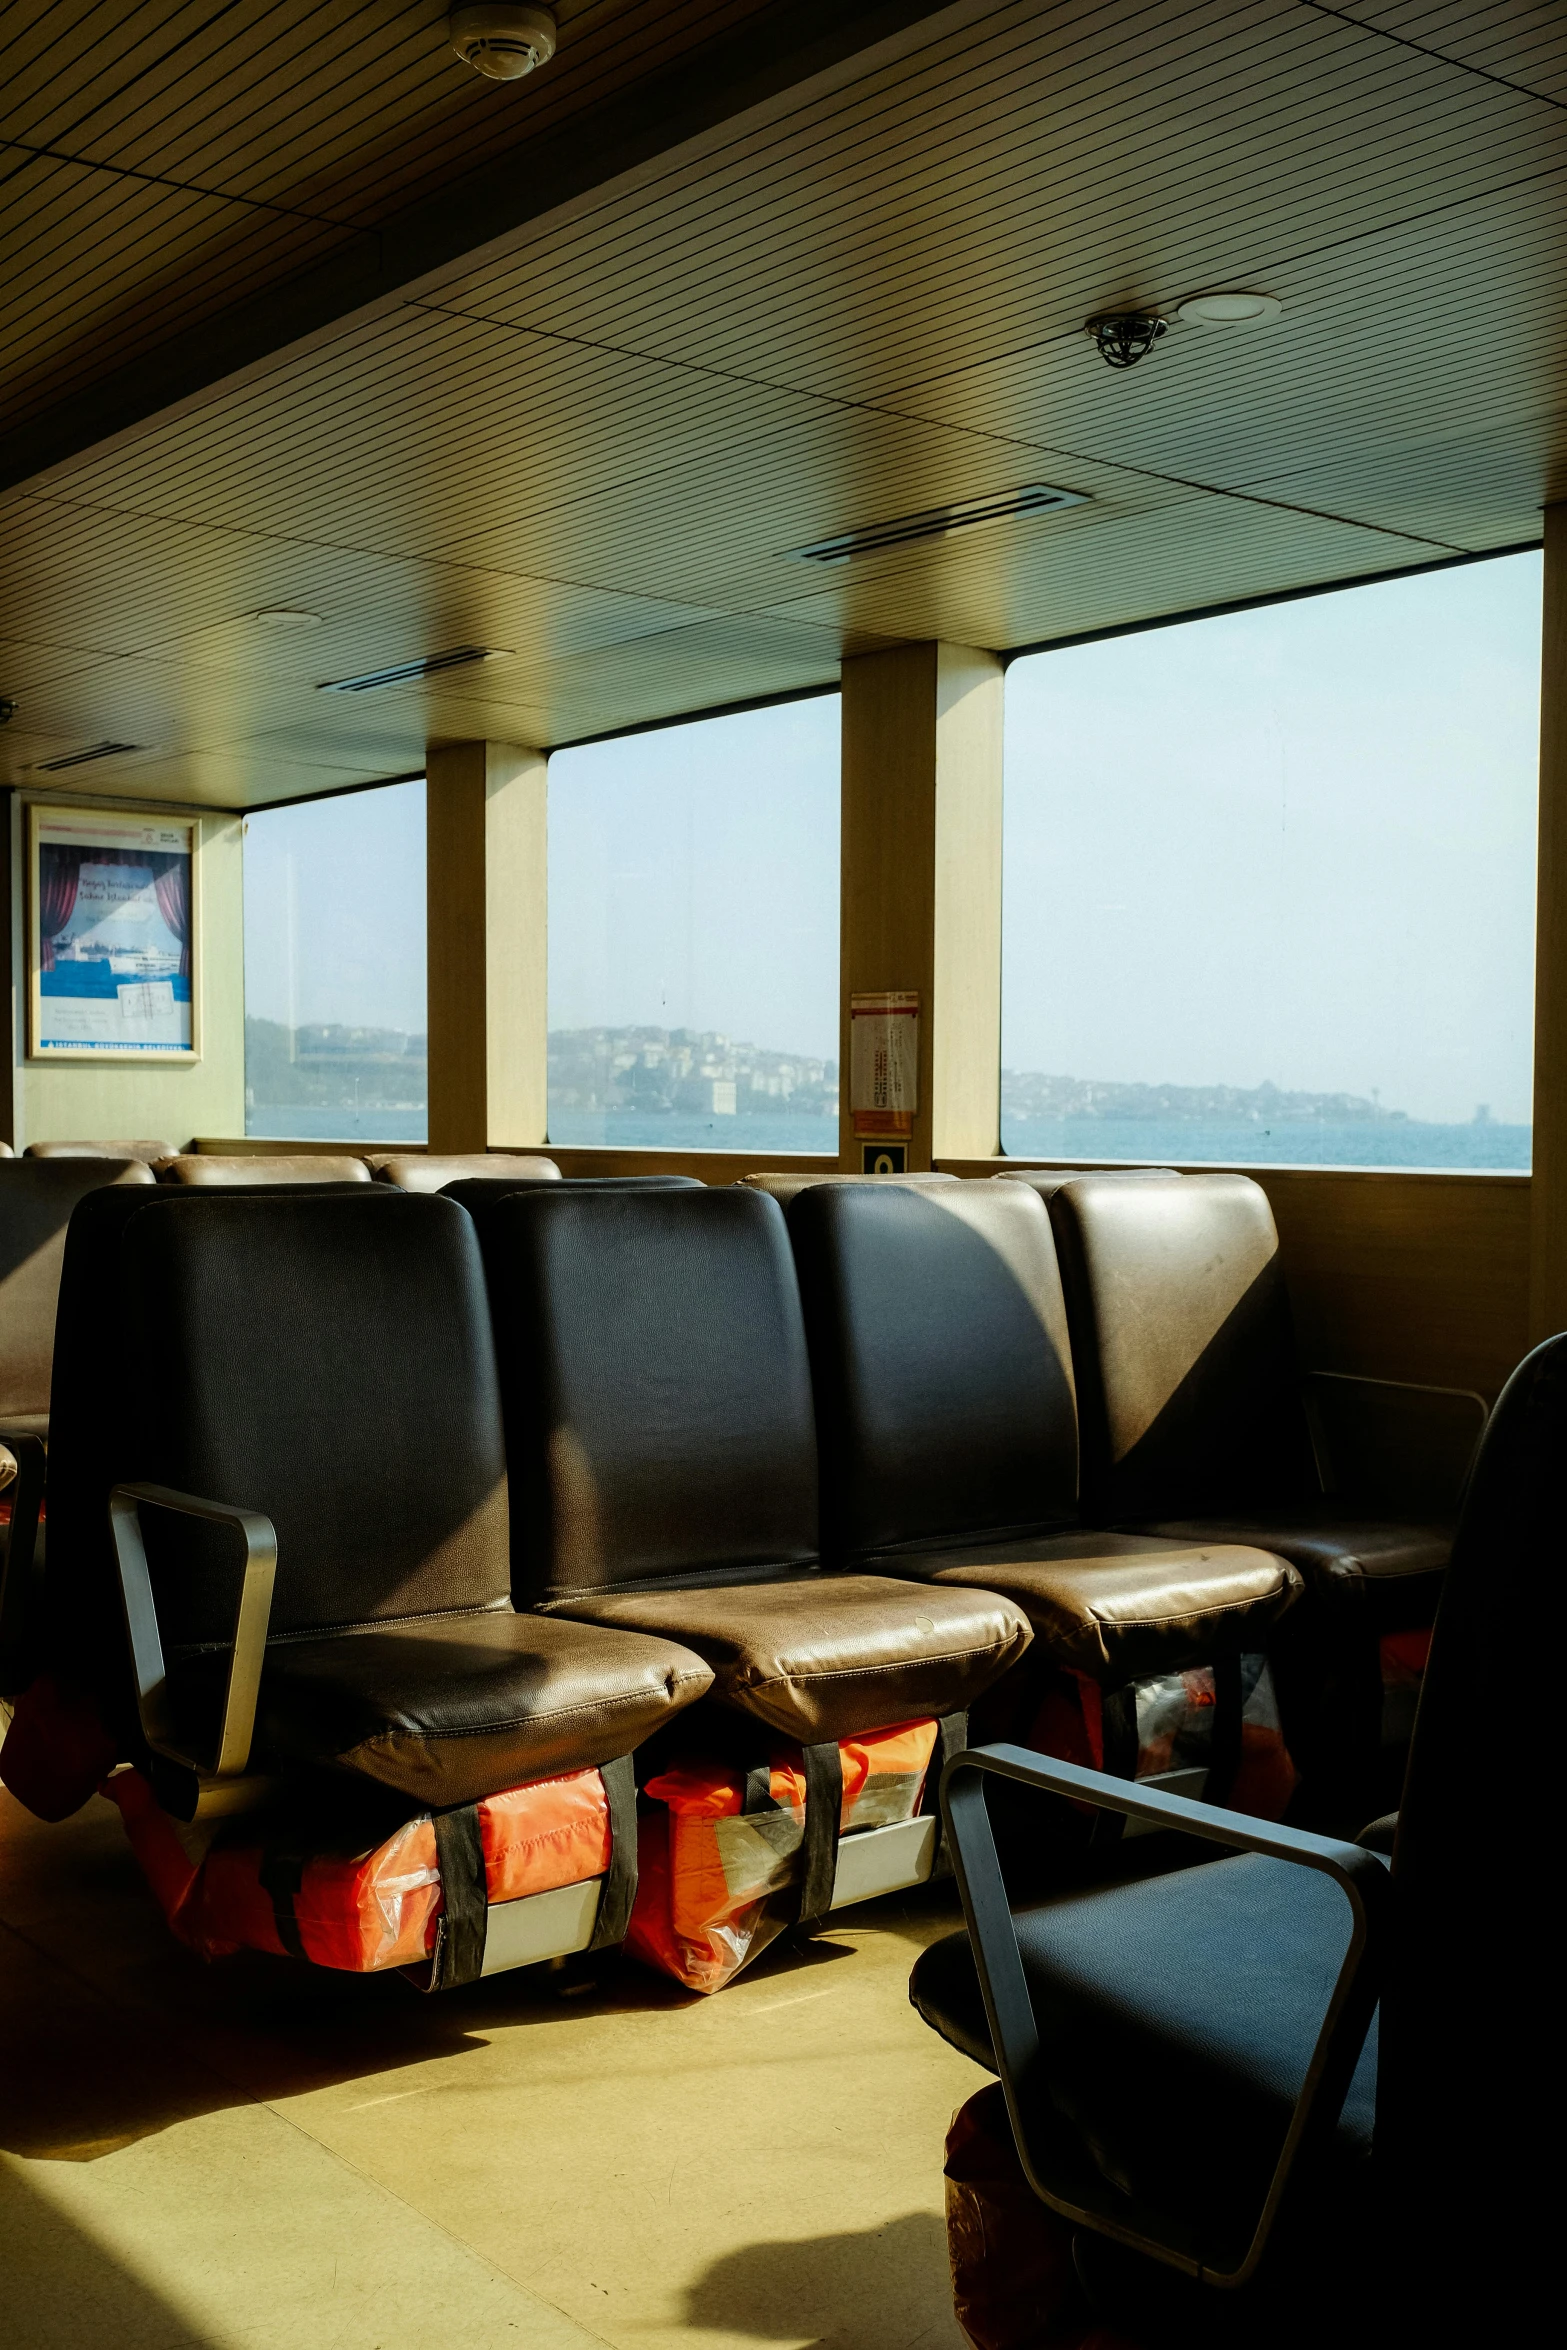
[171, 880]
[59, 872]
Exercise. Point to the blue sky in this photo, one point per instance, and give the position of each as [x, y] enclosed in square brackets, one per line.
[1294, 844]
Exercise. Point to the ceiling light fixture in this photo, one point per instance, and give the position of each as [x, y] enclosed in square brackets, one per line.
[1125, 336]
[284, 616]
[410, 672]
[937, 521]
[502, 43]
[1227, 309]
[83, 758]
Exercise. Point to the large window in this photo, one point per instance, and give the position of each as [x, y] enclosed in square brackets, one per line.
[334, 968]
[1270, 883]
[693, 901]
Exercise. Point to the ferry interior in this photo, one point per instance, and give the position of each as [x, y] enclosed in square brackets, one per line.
[783, 1191]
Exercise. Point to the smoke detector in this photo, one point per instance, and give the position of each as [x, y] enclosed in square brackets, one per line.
[503, 43]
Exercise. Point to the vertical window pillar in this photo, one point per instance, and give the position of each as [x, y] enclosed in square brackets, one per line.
[922, 880]
[485, 862]
[1548, 1187]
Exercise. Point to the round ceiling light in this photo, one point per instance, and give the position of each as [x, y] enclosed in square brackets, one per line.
[503, 43]
[1235, 309]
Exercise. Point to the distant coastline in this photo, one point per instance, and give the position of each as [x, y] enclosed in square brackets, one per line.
[677, 1090]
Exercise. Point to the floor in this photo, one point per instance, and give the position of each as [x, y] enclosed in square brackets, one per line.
[254, 2156]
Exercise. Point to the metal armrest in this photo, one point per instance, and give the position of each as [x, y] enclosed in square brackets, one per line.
[19, 1569]
[141, 1621]
[1360, 1875]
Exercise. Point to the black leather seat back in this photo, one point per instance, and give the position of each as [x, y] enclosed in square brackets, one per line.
[321, 1355]
[939, 1354]
[1181, 1337]
[656, 1384]
[1466, 2016]
[37, 1196]
[480, 1191]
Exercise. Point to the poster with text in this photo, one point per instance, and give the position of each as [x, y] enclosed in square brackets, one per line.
[113, 935]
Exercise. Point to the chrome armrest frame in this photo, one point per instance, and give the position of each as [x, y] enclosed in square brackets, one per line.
[146, 1642]
[1360, 1875]
[19, 1568]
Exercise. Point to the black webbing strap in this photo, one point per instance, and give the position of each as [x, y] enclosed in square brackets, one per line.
[1118, 1723]
[1224, 1750]
[619, 1889]
[465, 1911]
[759, 1794]
[951, 1738]
[823, 1814]
[282, 1875]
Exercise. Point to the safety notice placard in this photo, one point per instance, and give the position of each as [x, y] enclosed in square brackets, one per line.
[884, 1053]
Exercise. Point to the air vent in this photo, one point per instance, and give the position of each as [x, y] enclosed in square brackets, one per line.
[1037, 498]
[82, 758]
[409, 672]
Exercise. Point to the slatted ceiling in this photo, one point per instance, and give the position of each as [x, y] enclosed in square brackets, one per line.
[376, 610]
[340, 112]
[600, 450]
[1521, 40]
[1214, 551]
[1332, 376]
[943, 142]
[1454, 490]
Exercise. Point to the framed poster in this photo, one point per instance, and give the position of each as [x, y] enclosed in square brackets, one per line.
[112, 929]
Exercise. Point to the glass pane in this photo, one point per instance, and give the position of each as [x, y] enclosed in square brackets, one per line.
[335, 1045]
[1270, 883]
[693, 895]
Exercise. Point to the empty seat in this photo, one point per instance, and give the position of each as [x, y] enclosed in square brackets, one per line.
[210, 1171]
[325, 1358]
[1194, 1424]
[663, 1461]
[434, 1170]
[948, 1432]
[786, 1183]
[151, 1152]
[1201, 1996]
[37, 1196]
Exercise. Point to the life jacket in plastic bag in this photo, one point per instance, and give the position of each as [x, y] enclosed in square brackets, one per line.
[1014, 2281]
[228, 1885]
[57, 1748]
[1222, 1723]
[716, 1845]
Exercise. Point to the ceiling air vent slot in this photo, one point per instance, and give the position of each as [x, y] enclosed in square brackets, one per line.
[81, 758]
[908, 529]
[409, 672]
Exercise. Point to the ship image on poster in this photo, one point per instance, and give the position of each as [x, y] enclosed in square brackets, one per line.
[113, 928]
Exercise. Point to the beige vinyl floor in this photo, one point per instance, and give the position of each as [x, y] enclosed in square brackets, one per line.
[258, 2156]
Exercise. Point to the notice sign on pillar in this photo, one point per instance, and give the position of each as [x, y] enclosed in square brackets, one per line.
[884, 1059]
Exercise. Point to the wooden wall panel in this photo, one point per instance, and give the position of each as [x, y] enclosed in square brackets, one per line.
[1548, 1270]
[485, 944]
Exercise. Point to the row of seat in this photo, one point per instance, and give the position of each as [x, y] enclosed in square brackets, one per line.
[688, 1406]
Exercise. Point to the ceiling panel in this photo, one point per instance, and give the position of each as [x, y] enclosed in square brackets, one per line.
[599, 454]
[166, 158]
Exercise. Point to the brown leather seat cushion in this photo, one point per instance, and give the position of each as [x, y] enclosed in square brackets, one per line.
[822, 1656]
[450, 1708]
[433, 1170]
[1386, 1567]
[1123, 1607]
